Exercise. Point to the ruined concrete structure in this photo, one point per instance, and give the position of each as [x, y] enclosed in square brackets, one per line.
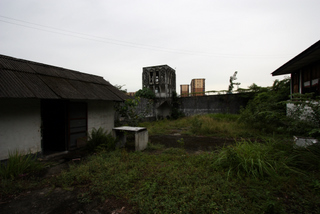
[184, 90]
[160, 79]
[197, 87]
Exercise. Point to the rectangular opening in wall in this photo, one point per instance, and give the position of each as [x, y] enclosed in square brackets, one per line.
[157, 90]
[151, 77]
[54, 126]
[157, 77]
[78, 121]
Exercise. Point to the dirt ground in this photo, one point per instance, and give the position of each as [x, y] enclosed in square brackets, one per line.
[61, 201]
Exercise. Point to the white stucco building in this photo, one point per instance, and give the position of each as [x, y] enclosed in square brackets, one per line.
[46, 109]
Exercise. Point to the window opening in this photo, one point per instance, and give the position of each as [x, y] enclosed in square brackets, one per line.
[157, 77]
[151, 78]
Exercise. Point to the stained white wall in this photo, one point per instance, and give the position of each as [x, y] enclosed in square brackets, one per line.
[20, 122]
[101, 114]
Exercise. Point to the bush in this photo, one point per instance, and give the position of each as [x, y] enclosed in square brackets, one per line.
[101, 140]
[145, 93]
[267, 110]
[19, 164]
[253, 159]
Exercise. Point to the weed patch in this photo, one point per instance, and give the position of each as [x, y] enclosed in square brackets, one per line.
[19, 164]
[174, 181]
[254, 159]
[101, 140]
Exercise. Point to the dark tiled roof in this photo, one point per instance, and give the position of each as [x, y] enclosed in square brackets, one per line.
[25, 79]
[305, 58]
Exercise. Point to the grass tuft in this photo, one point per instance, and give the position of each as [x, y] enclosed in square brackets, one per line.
[253, 159]
[19, 164]
[307, 158]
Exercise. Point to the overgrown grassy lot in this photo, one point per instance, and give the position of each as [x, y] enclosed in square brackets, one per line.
[264, 176]
[218, 125]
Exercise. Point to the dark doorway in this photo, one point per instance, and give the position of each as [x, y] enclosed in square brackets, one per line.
[64, 125]
[54, 125]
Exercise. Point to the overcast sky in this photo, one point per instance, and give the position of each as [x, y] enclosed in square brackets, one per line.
[208, 39]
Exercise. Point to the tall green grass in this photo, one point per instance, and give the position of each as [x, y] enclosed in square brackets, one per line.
[19, 164]
[257, 160]
[307, 158]
[221, 125]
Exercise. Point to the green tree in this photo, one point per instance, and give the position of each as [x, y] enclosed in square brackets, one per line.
[119, 87]
[145, 93]
[128, 110]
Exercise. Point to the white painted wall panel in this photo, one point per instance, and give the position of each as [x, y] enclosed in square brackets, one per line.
[100, 114]
[20, 126]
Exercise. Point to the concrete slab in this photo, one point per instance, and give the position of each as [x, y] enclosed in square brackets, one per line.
[141, 136]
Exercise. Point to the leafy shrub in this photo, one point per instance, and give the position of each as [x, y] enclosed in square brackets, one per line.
[145, 93]
[267, 110]
[19, 164]
[134, 110]
[101, 140]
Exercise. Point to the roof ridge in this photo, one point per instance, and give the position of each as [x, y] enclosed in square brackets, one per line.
[45, 65]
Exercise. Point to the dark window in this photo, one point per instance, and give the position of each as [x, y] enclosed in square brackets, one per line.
[157, 77]
[151, 78]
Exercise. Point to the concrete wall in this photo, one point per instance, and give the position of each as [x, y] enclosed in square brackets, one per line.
[303, 112]
[20, 123]
[226, 103]
[163, 110]
[101, 114]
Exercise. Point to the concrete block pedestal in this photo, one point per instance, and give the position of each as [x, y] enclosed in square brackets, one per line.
[141, 136]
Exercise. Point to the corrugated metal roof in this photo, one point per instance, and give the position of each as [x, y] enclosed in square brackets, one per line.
[26, 79]
[12, 86]
[36, 86]
[15, 64]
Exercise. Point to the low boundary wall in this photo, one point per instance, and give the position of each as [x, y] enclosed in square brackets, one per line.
[225, 103]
